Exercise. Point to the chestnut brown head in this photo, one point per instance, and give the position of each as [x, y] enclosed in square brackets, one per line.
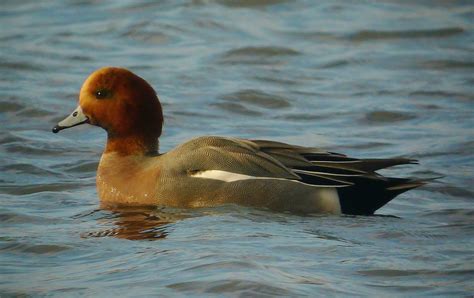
[120, 102]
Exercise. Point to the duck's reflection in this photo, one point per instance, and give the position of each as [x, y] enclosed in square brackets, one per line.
[135, 223]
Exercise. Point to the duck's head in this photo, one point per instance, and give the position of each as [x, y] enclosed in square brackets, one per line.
[123, 104]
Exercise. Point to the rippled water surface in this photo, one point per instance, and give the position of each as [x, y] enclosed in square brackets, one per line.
[366, 78]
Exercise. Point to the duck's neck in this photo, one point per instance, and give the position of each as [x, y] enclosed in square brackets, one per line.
[128, 180]
[132, 145]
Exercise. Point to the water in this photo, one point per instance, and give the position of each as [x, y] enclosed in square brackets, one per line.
[369, 79]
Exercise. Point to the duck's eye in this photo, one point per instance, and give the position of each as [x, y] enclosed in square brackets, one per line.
[102, 93]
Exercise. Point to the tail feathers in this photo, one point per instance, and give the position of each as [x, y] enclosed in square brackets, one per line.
[371, 165]
[365, 165]
[406, 186]
[368, 195]
[409, 183]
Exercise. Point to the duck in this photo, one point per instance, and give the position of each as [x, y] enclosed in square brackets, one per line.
[210, 171]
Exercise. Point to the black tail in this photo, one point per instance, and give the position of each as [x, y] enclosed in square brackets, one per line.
[369, 194]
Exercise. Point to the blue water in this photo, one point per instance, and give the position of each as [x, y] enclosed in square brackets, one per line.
[364, 78]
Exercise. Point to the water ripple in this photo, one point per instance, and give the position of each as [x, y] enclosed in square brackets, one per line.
[370, 35]
[235, 286]
[258, 98]
[257, 55]
[387, 117]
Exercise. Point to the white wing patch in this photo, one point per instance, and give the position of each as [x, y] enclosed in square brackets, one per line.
[228, 176]
[232, 177]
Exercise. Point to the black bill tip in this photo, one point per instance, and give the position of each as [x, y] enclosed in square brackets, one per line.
[57, 128]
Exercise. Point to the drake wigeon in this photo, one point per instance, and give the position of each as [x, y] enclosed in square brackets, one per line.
[209, 171]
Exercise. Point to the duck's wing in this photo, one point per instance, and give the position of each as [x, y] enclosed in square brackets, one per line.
[360, 189]
[221, 157]
[324, 162]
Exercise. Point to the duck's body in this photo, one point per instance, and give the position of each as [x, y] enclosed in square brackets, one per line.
[206, 172]
[210, 171]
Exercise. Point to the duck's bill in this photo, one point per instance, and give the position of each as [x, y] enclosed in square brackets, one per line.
[76, 118]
